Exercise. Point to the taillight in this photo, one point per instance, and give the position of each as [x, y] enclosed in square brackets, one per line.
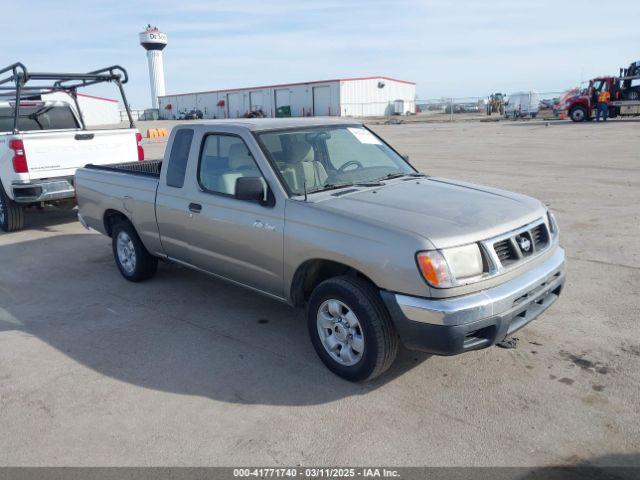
[19, 156]
[139, 145]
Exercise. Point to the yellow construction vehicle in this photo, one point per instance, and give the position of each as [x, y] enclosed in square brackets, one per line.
[496, 103]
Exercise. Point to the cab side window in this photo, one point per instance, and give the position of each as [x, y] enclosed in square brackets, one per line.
[223, 160]
[178, 157]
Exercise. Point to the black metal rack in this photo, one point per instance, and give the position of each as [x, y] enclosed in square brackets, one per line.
[57, 82]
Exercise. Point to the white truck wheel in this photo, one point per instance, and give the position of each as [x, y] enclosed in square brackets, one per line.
[11, 213]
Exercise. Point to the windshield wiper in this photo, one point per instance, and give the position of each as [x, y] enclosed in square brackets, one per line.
[334, 186]
[331, 186]
[390, 176]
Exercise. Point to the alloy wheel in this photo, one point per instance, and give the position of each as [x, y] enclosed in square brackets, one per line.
[126, 252]
[340, 332]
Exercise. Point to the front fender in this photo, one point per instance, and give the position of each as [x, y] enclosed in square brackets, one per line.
[385, 256]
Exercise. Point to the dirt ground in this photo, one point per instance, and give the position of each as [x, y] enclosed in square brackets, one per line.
[188, 370]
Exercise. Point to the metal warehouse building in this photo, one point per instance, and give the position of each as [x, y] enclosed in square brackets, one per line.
[96, 111]
[358, 97]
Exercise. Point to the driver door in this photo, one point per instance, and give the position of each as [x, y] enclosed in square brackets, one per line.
[239, 240]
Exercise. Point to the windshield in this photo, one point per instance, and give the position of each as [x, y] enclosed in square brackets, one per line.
[320, 158]
[38, 117]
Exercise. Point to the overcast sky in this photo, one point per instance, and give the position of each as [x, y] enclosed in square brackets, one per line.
[450, 48]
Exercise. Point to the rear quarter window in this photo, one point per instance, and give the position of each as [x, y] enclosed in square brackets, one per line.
[178, 157]
[38, 118]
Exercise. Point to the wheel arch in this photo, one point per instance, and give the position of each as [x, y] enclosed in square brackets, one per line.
[314, 271]
[111, 217]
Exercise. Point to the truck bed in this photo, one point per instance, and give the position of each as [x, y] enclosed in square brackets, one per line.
[128, 188]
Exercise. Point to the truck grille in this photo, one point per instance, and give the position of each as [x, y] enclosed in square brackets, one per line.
[539, 235]
[522, 244]
[505, 251]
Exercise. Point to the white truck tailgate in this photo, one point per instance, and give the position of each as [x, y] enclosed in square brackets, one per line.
[60, 153]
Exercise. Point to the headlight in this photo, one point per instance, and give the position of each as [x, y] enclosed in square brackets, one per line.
[451, 266]
[553, 225]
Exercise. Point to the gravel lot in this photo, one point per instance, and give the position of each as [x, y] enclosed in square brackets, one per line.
[188, 370]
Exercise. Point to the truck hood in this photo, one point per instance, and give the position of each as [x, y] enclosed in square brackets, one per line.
[446, 212]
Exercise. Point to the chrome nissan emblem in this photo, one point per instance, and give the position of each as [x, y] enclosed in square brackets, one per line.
[525, 244]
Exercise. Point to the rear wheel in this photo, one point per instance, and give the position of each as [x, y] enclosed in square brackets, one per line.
[351, 329]
[132, 258]
[11, 213]
[578, 114]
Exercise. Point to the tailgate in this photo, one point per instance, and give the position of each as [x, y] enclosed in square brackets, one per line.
[60, 153]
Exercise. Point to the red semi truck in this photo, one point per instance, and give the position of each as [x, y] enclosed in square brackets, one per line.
[624, 90]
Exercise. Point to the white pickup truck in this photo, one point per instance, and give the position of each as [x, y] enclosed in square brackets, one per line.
[43, 142]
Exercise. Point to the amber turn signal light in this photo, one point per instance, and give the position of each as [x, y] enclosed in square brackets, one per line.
[433, 268]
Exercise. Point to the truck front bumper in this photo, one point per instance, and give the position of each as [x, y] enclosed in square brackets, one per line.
[43, 190]
[469, 322]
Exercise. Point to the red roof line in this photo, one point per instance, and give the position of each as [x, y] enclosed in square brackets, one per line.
[97, 98]
[289, 85]
[375, 78]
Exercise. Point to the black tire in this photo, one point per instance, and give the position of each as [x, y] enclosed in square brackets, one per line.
[11, 213]
[144, 265]
[578, 114]
[377, 329]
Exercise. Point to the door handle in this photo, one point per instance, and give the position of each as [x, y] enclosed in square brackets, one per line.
[84, 136]
[195, 207]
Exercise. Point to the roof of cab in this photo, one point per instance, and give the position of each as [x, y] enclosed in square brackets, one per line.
[34, 103]
[260, 124]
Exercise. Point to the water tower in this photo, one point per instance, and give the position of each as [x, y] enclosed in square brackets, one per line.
[154, 41]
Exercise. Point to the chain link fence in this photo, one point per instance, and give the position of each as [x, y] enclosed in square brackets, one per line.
[139, 114]
[529, 104]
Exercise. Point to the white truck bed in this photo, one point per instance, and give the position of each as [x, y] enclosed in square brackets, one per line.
[53, 156]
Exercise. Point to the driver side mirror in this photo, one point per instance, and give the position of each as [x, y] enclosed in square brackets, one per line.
[250, 188]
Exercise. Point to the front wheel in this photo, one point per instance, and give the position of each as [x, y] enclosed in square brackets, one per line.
[132, 258]
[578, 114]
[11, 213]
[351, 329]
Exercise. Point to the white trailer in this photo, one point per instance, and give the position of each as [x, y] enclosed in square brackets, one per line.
[522, 104]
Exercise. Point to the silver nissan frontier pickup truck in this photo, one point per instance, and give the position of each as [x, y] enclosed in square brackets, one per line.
[325, 215]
